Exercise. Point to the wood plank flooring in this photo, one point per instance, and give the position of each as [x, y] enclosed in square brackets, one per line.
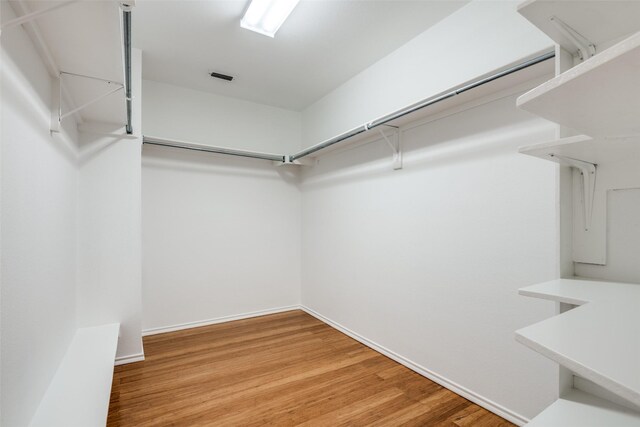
[285, 369]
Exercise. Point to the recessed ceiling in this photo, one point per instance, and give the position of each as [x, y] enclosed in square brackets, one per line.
[322, 44]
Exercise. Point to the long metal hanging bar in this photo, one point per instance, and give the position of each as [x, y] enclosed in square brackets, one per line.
[419, 105]
[34, 15]
[126, 28]
[150, 140]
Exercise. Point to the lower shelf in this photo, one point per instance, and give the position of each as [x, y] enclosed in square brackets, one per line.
[597, 340]
[79, 392]
[577, 408]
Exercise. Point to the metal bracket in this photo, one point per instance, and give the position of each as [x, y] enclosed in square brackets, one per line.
[395, 143]
[127, 6]
[307, 161]
[588, 173]
[586, 48]
[56, 105]
[56, 111]
[286, 160]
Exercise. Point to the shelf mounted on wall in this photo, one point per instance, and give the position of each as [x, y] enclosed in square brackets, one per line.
[52, 42]
[389, 127]
[57, 115]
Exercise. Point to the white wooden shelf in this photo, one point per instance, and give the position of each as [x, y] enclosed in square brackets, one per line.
[577, 408]
[79, 392]
[600, 340]
[593, 150]
[598, 21]
[84, 40]
[494, 87]
[599, 97]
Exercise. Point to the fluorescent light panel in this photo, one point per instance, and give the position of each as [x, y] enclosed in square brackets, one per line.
[266, 16]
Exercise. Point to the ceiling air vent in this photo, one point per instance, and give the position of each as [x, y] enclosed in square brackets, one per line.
[221, 76]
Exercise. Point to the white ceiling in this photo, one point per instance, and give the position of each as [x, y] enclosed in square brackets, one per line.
[321, 45]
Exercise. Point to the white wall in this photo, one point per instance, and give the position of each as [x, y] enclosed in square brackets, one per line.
[623, 240]
[426, 261]
[109, 258]
[477, 39]
[178, 113]
[220, 237]
[38, 241]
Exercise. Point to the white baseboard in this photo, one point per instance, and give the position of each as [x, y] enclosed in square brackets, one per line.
[223, 319]
[123, 360]
[446, 383]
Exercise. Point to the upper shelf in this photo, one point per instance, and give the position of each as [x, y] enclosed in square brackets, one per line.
[598, 341]
[599, 97]
[598, 21]
[445, 102]
[577, 408]
[593, 150]
[83, 38]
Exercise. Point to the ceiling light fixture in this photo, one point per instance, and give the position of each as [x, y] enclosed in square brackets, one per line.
[266, 16]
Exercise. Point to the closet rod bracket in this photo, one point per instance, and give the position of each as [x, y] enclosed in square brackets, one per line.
[306, 161]
[395, 143]
[584, 46]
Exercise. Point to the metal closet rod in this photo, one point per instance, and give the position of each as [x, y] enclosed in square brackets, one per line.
[418, 106]
[209, 149]
[126, 29]
[360, 129]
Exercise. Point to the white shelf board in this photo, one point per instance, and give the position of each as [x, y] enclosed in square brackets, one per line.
[79, 392]
[519, 81]
[577, 408]
[600, 340]
[86, 38]
[598, 21]
[593, 150]
[599, 97]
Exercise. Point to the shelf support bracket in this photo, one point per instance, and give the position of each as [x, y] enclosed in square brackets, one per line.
[56, 109]
[88, 103]
[56, 105]
[586, 48]
[588, 175]
[394, 141]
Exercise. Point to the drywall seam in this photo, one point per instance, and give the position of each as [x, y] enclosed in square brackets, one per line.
[223, 319]
[474, 397]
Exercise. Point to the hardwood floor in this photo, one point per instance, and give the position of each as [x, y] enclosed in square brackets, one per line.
[284, 369]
